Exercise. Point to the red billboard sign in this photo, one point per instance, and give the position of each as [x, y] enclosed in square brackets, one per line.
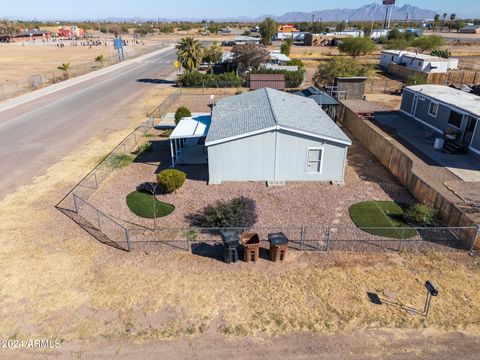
[388, 2]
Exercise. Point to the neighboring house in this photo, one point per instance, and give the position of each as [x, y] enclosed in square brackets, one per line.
[288, 28]
[419, 62]
[470, 29]
[296, 36]
[241, 40]
[281, 67]
[34, 34]
[446, 111]
[328, 103]
[68, 32]
[273, 136]
[276, 59]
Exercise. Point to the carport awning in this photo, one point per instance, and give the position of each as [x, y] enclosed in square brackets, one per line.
[193, 127]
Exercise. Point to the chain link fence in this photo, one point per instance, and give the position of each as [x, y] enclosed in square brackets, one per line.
[15, 88]
[383, 86]
[320, 238]
[75, 204]
[308, 238]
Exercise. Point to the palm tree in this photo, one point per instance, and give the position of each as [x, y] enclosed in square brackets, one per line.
[65, 67]
[436, 19]
[443, 22]
[190, 53]
[452, 19]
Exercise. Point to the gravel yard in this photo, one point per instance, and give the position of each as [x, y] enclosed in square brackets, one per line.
[294, 204]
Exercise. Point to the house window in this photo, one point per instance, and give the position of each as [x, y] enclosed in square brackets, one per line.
[314, 160]
[433, 109]
[455, 119]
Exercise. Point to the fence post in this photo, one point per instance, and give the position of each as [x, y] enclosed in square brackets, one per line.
[124, 148]
[129, 244]
[302, 237]
[475, 237]
[327, 238]
[96, 180]
[75, 202]
[401, 239]
[98, 220]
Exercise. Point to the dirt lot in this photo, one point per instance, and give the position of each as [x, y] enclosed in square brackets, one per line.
[19, 61]
[58, 282]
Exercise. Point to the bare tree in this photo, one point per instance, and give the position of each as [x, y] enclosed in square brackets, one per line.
[250, 56]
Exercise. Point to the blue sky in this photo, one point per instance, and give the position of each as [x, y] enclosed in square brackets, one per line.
[95, 9]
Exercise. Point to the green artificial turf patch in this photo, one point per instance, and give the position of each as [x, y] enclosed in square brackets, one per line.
[141, 204]
[375, 217]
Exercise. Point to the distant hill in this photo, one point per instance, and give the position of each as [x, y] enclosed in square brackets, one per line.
[370, 12]
[374, 11]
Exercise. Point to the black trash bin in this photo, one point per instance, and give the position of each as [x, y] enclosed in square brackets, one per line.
[231, 241]
[278, 246]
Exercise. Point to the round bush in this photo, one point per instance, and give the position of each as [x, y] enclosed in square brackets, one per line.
[421, 215]
[171, 180]
[182, 112]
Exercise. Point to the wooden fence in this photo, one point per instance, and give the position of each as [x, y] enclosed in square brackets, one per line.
[469, 77]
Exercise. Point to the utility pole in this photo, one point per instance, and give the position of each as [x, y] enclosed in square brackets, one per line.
[313, 22]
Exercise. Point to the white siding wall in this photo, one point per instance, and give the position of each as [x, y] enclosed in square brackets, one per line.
[253, 159]
[247, 159]
[292, 159]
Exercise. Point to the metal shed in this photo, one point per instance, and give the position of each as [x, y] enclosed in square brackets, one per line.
[328, 103]
[260, 81]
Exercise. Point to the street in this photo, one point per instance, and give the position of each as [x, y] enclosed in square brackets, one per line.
[37, 134]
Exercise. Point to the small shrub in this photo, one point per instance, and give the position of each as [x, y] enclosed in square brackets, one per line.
[144, 148]
[421, 215]
[415, 79]
[182, 112]
[166, 133]
[171, 180]
[238, 212]
[197, 79]
[296, 62]
[118, 161]
[443, 53]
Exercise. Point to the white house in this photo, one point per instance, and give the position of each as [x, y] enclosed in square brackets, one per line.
[420, 62]
[269, 135]
[241, 40]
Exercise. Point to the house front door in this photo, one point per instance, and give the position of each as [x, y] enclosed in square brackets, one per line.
[469, 130]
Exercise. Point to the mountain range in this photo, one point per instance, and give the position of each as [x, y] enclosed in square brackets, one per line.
[369, 12]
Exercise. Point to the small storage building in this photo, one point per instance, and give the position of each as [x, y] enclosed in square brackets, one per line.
[269, 135]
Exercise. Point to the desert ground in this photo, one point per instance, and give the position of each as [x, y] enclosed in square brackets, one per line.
[20, 60]
[58, 282]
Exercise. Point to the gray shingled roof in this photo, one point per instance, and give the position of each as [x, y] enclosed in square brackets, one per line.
[267, 108]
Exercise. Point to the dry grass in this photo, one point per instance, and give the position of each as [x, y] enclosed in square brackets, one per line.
[58, 281]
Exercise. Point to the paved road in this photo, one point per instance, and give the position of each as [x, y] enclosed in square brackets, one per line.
[37, 134]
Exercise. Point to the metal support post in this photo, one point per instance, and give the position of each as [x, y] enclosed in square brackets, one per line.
[129, 244]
